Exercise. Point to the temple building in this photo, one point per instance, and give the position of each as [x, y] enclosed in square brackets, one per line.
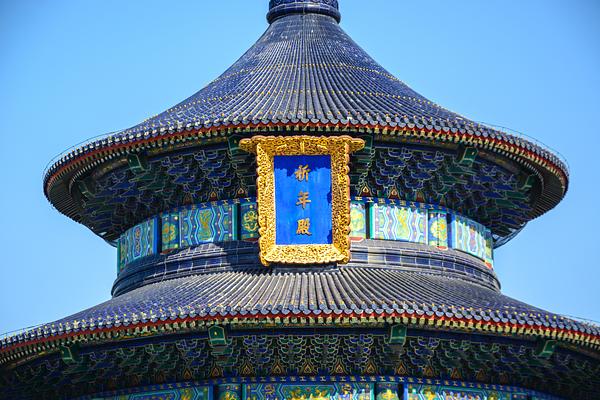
[306, 227]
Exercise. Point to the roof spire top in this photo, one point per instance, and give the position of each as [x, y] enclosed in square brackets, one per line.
[281, 8]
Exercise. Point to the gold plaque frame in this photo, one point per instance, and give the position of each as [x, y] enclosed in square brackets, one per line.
[339, 148]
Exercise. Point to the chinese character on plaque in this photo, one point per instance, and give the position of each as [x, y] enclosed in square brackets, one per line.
[303, 197]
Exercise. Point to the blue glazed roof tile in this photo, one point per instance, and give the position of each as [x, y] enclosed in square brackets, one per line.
[348, 291]
[303, 69]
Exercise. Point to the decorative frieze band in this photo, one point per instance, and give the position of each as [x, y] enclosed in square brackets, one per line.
[371, 218]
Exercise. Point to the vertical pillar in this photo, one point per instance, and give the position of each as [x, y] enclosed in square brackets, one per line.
[235, 221]
[370, 219]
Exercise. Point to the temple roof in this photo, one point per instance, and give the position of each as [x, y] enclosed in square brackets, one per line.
[339, 292]
[306, 69]
[304, 73]
[356, 294]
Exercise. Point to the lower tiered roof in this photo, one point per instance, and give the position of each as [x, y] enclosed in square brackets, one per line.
[362, 293]
[346, 292]
[458, 325]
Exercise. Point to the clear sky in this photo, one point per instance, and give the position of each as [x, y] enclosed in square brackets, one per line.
[70, 70]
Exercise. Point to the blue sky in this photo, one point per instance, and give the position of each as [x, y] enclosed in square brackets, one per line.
[71, 70]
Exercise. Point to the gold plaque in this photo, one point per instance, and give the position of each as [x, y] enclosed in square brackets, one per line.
[303, 194]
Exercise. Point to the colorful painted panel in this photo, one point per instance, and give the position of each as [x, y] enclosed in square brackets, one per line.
[229, 391]
[471, 237]
[489, 249]
[205, 224]
[249, 221]
[138, 242]
[391, 222]
[358, 221]
[427, 392]
[386, 391]
[191, 393]
[170, 231]
[303, 212]
[386, 219]
[306, 391]
[437, 229]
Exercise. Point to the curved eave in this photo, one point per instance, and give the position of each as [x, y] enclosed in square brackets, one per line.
[346, 297]
[165, 325]
[552, 172]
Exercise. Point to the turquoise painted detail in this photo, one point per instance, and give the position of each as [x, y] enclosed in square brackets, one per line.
[437, 229]
[310, 391]
[170, 231]
[249, 221]
[442, 392]
[229, 391]
[189, 393]
[393, 222]
[138, 242]
[325, 388]
[371, 218]
[471, 237]
[206, 224]
[358, 220]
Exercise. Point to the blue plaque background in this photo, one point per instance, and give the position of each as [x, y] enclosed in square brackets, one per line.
[287, 187]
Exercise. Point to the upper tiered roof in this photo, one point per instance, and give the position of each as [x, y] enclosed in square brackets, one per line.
[305, 73]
